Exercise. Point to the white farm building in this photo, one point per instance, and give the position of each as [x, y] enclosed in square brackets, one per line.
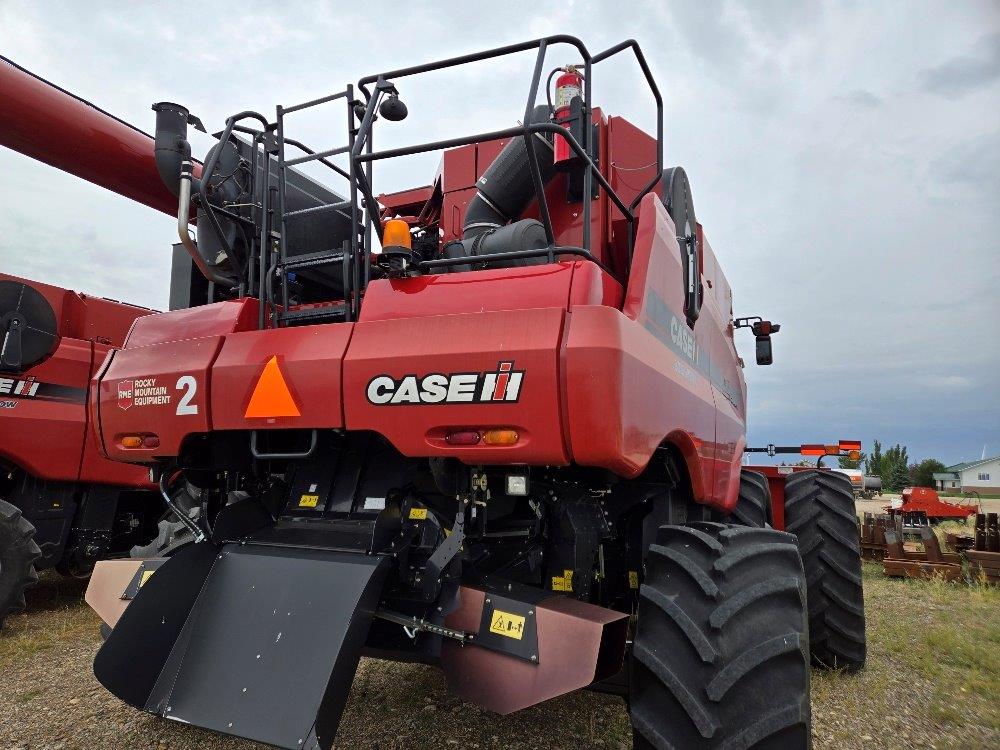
[979, 476]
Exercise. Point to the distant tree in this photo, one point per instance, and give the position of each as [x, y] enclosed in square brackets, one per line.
[925, 471]
[899, 476]
[893, 469]
[847, 463]
[873, 464]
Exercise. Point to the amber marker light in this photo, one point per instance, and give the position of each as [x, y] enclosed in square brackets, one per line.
[500, 436]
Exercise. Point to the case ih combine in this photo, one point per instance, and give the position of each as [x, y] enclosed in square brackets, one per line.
[508, 444]
[62, 503]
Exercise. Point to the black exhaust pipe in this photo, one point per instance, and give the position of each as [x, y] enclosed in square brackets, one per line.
[171, 146]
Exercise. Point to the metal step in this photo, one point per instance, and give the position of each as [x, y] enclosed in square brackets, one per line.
[305, 316]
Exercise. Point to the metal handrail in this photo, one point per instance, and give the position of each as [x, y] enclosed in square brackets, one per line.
[351, 285]
[207, 171]
[382, 84]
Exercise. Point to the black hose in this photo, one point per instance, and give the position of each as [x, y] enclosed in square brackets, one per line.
[506, 187]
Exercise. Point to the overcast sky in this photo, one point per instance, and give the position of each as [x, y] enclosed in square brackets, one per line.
[844, 160]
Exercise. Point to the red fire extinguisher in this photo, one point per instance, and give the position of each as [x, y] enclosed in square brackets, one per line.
[568, 86]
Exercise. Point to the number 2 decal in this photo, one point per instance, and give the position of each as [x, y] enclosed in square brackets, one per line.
[189, 385]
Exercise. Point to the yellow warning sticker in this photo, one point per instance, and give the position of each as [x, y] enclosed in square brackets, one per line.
[507, 624]
[563, 582]
[633, 579]
[418, 514]
[145, 577]
[309, 501]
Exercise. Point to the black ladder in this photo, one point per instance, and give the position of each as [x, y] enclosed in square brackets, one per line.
[347, 256]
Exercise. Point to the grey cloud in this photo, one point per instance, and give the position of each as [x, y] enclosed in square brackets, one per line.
[965, 73]
[975, 162]
[862, 98]
[838, 202]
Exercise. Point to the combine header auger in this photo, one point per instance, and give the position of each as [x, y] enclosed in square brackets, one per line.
[503, 445]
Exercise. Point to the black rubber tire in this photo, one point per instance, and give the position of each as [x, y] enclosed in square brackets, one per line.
[18, 552]
[819, 510]
[720, 657]
[753, 508]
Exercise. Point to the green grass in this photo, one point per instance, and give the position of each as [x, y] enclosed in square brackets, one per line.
[933, 673]
[64, 617]
[932, 680]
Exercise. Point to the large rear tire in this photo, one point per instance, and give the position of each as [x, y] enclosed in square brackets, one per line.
[819, 510]
[753, 508]
[720, 657]
[18, 552]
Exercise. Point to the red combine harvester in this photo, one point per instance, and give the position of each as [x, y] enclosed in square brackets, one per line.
[505, 440]
[62, 503]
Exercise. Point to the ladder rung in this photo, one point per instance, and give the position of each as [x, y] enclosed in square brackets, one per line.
[318, 155]
[316, 209]
[314, 102]
[313, 259]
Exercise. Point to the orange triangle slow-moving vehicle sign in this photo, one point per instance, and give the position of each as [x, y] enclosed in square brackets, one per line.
[271, 397]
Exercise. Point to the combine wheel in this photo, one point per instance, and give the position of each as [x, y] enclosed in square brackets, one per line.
[18, 552]
[753, 508]
[819, 510]
[720, 657]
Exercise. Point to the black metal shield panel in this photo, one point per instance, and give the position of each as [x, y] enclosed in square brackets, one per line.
[131, 659]
[270, 649]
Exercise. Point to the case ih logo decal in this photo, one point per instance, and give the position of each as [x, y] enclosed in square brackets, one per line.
[504, 385]
[29, 388]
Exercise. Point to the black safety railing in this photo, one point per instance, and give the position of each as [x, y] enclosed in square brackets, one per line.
[384, 83]
[271, 262]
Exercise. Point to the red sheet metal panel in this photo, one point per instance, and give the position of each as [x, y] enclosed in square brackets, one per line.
[196, 322]
[640, 377]
[310, 360]
[162, 390]
[386, 391]
[487, 290]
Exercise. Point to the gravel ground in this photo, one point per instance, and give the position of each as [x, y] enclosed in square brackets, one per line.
[933, 681]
